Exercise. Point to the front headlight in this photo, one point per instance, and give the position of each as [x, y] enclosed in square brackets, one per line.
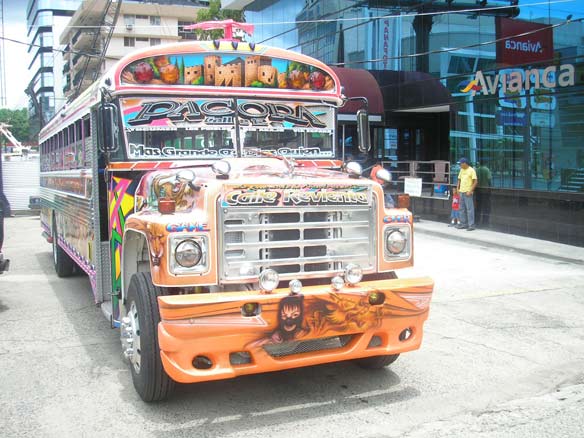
[397, 243]
[188, 254]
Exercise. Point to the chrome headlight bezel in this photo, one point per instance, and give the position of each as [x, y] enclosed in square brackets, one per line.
[405, 254]
[201, 267]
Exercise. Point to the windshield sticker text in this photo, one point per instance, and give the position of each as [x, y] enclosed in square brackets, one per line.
[142, 151]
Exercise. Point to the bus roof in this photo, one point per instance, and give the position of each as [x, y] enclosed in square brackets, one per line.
[212, 68]
[224, 68]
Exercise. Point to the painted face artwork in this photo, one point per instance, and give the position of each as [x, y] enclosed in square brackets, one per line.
[290, 315]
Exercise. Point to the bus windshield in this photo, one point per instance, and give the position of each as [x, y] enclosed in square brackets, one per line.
[177, 143]
[180, 128]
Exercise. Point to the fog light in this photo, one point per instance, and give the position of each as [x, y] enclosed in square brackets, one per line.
[405, 335]
[353, 273]
[376, 298]
[269, 280]
[250, 309]
[295, 286]
[337, 282]
[202, 363]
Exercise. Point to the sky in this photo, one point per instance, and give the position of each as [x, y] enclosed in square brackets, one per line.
[16, 57]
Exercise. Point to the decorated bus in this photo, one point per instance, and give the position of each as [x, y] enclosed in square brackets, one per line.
[198, 185]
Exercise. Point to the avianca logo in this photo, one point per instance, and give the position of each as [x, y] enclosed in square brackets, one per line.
[524, 46]
[512, 81]
[466, 86]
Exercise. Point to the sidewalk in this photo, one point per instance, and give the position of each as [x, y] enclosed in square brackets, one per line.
[494, 239]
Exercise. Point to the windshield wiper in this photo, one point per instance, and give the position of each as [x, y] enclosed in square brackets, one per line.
[290, 162]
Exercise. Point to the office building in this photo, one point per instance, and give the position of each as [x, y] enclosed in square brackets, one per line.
[513, 73]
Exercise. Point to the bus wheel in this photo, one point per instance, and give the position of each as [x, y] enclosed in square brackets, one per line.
[377, 362]
[64, 265]
[139, 335]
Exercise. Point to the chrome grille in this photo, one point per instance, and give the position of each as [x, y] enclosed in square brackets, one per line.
[290, 348]
[297, 242]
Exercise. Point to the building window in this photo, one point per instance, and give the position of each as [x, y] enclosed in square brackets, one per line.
[154, 20]
[129, 19]
[186, 34]
[129, 42]
[155, 41]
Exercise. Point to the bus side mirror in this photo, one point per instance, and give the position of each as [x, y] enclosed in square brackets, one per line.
[109, 138]
[363, 131]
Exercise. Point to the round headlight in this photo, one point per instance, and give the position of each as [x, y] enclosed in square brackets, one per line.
[188, 253]
[383, 175]
[353, 273]
[354, 169]
[221, 168]
[396, 242]
[269, 280]
[295, 286]
[337, 282]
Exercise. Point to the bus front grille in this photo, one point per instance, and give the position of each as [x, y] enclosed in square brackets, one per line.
[304, 242]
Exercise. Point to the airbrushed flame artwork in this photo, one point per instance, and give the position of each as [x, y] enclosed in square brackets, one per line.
[220, 230]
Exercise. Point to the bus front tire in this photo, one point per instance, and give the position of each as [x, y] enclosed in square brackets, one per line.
[150, 380]
[377, 362]
[64, 265]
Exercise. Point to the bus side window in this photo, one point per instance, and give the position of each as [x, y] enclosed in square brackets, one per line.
[87, 141]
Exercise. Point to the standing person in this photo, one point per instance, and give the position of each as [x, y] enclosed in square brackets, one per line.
[388, 200]
[4, 211]
[455, 215]
[467, 182]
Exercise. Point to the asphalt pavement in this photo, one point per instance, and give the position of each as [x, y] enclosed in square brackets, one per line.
[502, 356]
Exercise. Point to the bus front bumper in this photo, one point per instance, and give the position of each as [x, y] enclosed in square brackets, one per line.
[217, 336]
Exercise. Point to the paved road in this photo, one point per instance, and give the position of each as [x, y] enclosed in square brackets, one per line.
[503, 356]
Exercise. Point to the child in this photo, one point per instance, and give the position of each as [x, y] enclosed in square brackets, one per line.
[455, 215]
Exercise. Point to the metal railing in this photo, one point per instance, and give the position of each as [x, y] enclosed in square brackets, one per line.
[433, 176]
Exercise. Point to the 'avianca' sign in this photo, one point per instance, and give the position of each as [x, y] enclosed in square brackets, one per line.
[522, 42]
[513, 81]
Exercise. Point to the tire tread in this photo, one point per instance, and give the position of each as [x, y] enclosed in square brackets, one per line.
[377, 362]
[156, 385]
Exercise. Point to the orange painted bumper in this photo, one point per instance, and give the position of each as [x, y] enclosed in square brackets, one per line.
[318, 326]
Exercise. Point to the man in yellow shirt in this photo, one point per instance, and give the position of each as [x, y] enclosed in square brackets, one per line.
[467, 182]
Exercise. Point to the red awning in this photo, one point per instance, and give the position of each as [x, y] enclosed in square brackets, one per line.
[360, 83]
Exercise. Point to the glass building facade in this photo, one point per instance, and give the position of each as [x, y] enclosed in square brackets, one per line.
[515, 73]
[45, 21]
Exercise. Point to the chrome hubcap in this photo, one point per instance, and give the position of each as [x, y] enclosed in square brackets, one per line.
[130, 337]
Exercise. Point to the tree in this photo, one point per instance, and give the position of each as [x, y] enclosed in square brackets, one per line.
[212, 13]
[18, 121]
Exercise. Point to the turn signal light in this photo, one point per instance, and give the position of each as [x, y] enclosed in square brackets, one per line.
[376, 298]
[166, 206]
[403, 201]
